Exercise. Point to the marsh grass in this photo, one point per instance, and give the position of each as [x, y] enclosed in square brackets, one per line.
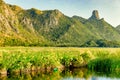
[106, 60]
[27, 59]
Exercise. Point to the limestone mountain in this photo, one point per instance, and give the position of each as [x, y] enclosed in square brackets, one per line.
[100, 28]
[33, 27]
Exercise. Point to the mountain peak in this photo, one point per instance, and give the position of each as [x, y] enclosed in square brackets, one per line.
[95, 15]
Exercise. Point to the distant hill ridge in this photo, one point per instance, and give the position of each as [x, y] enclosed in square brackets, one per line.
[33, 27]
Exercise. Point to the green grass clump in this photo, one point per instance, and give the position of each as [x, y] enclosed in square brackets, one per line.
[105, 65]
[100, 64]
[105, 61]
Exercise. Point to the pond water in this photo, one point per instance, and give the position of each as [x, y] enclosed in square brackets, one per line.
[75, 74]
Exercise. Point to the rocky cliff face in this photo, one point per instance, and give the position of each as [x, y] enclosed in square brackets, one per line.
[95, 15]
[7, 18]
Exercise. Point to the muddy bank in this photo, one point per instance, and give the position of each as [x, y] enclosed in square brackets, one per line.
[4, 72]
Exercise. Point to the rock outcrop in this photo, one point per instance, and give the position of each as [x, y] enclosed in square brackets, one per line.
[95, 15]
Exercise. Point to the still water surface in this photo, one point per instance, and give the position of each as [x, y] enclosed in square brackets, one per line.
[75, 74]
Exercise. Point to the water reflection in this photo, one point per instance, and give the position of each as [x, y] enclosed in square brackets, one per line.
[74, 74]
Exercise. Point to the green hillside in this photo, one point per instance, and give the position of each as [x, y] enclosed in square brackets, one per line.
[118, 28]
[33, 27]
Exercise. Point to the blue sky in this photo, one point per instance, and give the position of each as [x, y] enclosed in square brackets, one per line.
[108, 9]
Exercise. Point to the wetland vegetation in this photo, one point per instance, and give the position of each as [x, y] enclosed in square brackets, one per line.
[27, 59]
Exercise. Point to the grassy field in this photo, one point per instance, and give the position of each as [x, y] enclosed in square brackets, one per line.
[24, 59]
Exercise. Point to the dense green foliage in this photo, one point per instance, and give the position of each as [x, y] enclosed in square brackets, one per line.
[101, 43]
